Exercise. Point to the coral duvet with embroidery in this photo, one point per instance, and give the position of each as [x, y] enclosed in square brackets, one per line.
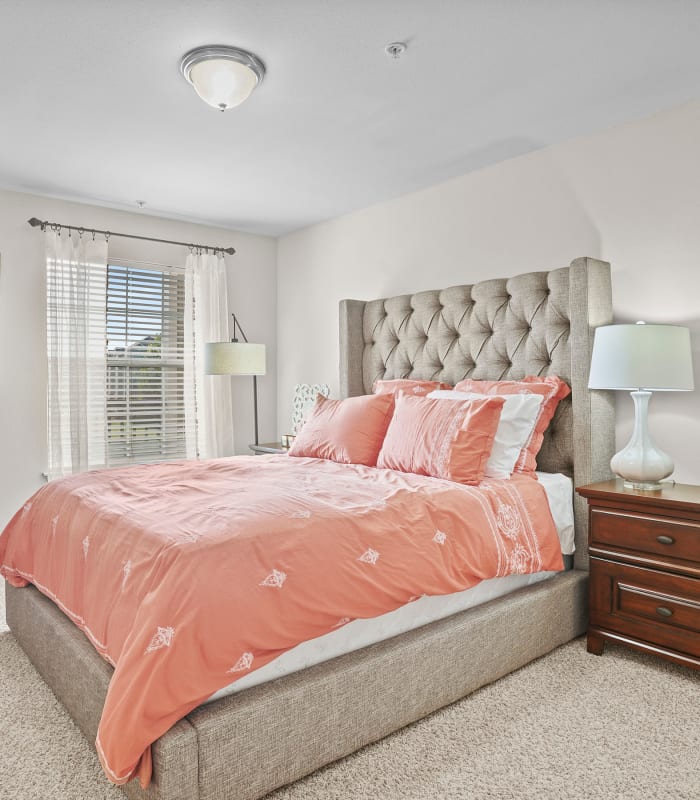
[186, 575]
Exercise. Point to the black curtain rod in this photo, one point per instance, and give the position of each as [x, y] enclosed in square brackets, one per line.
[37, 223]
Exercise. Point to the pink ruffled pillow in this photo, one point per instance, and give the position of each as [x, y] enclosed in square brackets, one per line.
[450, 439]
[552, 389]
[417, 388]
[349, 431]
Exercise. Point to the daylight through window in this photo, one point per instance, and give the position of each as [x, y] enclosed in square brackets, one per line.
[145, 365]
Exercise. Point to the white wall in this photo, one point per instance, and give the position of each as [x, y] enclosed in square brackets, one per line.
[630, 196]
[253, 296]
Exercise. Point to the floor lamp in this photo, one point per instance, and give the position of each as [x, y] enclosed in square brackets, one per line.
[237, 358]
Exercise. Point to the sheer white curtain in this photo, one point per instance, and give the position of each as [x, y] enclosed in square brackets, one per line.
[208, 397]
[76, 270]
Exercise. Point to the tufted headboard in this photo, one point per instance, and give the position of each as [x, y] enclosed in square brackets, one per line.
[538, 323]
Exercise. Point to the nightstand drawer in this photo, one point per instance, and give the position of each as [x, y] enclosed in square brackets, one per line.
[678, 612]
[661, 536]
[647, 604]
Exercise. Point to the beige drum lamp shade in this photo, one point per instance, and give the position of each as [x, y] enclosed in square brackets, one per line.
[234, 358]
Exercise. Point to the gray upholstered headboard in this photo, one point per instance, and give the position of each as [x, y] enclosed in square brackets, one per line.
[539, 323]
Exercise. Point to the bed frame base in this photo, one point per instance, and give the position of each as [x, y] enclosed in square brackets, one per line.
[247, 744]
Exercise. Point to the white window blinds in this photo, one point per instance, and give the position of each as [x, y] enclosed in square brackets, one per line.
[122, 367]
[145, 354]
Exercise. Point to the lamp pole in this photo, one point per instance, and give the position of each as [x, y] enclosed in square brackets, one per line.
[237, 324]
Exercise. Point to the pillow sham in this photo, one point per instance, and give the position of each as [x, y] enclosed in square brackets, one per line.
[449, 439]
[349, 431]
[418, 388]
[552, 389]
[515, 426]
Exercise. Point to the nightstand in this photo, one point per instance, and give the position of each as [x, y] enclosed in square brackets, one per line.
[267, 448]
[645, 569]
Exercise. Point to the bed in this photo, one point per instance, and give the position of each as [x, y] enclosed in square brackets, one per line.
[246, 744]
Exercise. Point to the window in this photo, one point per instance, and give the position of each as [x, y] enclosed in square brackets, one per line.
[124, 345]
[145, 395]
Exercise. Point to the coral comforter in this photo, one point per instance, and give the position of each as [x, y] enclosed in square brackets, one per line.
[186, 575]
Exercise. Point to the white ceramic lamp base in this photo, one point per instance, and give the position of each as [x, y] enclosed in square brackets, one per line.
[641, 464]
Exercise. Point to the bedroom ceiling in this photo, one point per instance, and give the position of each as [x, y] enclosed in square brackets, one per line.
[94, 108]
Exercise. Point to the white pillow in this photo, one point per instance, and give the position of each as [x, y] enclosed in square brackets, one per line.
[518, 417]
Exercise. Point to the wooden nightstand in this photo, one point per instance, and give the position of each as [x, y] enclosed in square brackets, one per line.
[267, 448]
[645, 569]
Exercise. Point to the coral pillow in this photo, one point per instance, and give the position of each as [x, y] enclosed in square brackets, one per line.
[349, 431]
[552, 389]
[518, 417]
[449, 439]
[418, 388]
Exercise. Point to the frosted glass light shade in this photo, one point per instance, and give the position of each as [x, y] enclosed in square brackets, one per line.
[656, 357]
[222, 76]
[234, 358]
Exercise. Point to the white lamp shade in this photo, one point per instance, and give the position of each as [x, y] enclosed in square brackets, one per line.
[234, 358]
[223, 83]
[655, 357]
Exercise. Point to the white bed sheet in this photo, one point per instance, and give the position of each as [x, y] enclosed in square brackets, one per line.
[560, 493]
[363, 632]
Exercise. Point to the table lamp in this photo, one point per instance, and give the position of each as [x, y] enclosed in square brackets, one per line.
[237, 358]
[642, 359]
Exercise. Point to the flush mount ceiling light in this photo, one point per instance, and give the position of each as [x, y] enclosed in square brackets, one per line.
[222, 76]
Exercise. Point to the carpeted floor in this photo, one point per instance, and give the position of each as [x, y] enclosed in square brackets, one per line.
[566, 727]
[3, 624]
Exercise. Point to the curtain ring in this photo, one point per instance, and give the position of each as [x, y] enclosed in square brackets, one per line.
[107, 235]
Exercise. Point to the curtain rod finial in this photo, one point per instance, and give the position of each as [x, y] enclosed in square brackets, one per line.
[35, 223]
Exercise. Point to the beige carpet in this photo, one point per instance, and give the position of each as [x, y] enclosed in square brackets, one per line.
[569, 726]
[3, 624]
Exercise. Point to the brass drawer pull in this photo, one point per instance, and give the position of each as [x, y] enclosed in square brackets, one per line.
[664, 612]
[665, 539]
